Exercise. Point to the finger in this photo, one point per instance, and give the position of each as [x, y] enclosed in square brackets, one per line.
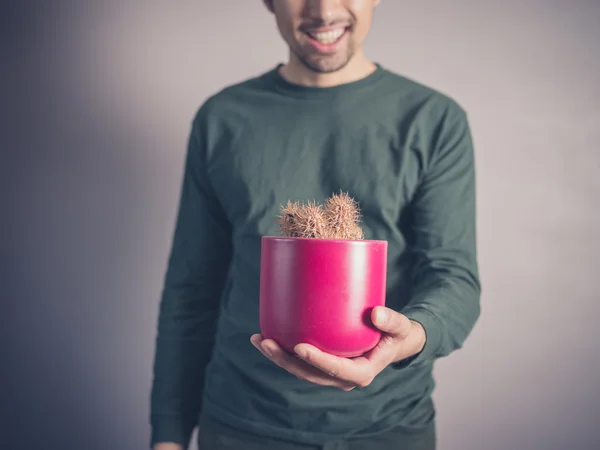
[387, 350]
[357, 371]
[392, 348]
[391, 322]
[256, 339]
[297, 367]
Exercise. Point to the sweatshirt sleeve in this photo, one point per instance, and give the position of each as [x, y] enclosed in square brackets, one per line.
[196, 272]
[446, 288]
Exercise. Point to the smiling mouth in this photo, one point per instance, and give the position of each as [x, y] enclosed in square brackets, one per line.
[327, 37]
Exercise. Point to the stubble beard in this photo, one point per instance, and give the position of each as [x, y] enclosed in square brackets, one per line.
[325, 64]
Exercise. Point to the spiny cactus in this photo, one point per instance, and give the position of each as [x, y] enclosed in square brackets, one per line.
[338, 219]
[302, 221]
[342, 215]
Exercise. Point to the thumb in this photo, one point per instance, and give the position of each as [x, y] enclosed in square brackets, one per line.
[391, 322]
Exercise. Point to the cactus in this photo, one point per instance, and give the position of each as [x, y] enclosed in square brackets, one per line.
[342, 215]
[337, 219]
[302, 221]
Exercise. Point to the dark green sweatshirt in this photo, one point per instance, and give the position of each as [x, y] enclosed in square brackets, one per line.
[405, 153]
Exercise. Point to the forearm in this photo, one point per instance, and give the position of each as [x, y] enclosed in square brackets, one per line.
[187, 322]
[448, 309]
[183, 349]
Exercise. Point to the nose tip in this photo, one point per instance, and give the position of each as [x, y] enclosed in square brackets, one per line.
[323, 9]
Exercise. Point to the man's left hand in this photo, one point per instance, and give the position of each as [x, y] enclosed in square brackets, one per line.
[401, 339]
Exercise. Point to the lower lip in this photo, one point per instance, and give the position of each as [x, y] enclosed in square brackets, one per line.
[326, 48]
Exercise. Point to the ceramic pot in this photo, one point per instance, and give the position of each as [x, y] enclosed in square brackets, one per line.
[322, 292]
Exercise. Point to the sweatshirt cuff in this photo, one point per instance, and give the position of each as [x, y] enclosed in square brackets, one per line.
[433, 338]
[172, 429]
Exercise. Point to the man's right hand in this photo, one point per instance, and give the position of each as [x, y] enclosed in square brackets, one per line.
[168, 446]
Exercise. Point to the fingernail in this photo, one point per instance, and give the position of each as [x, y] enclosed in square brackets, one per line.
[381, 316]
[267, 351]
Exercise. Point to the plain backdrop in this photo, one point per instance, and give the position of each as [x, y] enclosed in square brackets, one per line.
[97, 102]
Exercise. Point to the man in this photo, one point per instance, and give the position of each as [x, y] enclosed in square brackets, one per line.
[328, 120]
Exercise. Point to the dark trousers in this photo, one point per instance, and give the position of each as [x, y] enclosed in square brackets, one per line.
[213, 435]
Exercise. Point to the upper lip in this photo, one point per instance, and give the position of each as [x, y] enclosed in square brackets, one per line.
[324, 29]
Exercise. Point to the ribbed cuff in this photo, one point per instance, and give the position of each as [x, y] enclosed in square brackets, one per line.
[171, 428]
[433, 339]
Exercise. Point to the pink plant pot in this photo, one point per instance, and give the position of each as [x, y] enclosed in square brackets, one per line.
[322, 292]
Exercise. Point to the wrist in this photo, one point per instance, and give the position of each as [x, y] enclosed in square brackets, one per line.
[420, 336]
[412, 345]
[167, 446]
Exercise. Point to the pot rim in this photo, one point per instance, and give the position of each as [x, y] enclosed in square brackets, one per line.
[336, 241]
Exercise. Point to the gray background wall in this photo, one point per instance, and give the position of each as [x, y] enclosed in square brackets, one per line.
[100, 96]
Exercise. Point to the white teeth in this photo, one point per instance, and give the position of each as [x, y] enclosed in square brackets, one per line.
[328, 37]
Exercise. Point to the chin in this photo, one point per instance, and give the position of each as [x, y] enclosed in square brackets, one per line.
[326, 65]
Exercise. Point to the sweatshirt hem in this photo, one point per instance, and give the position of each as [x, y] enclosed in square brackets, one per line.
[294, 436]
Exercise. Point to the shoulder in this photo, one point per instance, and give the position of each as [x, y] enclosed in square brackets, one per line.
[438, 123]
[231, 100]
[428, 102]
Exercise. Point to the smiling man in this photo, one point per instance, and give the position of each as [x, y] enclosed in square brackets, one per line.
[325, 40]
[329, 119]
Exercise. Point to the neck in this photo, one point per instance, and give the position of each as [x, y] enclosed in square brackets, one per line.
[357, 68]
